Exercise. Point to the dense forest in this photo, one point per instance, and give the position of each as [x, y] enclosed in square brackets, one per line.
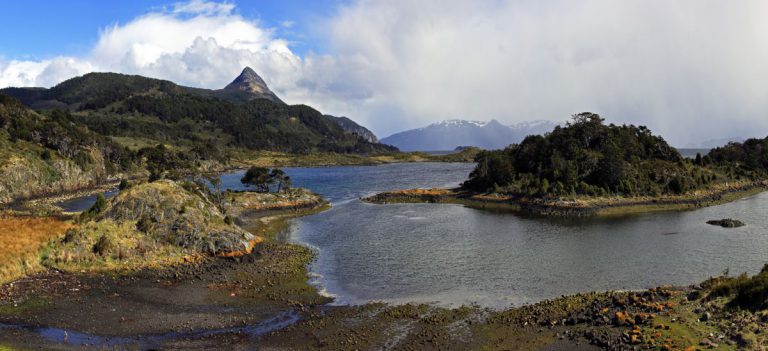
[133, 106]
[588, 157]
[58, 133]
[750, 157]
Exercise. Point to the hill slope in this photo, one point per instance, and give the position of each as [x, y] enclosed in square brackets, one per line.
[587, 157]
[448, 135]
[48, 153]
[245, 114]
[351, 127]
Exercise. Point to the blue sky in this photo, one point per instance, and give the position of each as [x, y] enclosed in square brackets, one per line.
[51, 28]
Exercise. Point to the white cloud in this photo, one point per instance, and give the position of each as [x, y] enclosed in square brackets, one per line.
[691, 69]
[196, 7]
[688, 69]
[197, 43]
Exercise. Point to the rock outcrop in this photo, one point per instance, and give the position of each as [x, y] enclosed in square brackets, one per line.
[24, 176]
[180, 216]
[351, 127]
[727, 223]
[250, 84]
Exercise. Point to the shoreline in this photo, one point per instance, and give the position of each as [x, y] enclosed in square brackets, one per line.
[44, 201]
[609, 206]
[265, 299]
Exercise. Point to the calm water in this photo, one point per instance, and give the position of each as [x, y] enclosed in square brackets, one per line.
[454, 255]
[83, 203]
[451, 255]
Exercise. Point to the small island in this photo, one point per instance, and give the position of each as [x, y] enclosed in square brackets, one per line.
[727, 223]
[589, 168]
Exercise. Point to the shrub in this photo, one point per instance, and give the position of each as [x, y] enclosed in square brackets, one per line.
[103, 246]
[752, 294]
[748, 293]
[46, 155]
[99, 206]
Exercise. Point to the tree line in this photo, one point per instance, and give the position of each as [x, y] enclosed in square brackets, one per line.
[589, 157]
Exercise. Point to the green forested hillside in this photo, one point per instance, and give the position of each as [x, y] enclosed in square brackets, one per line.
[134, 106]
[58, 134]
[588, 157]
[750, 157]
[51, 152]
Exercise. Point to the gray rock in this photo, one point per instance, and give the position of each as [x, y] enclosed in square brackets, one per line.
[727, 223]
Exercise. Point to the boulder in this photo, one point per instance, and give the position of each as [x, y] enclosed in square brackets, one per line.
[727, 223]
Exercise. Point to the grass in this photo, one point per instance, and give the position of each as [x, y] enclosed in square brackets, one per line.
[645, 208]
[29, 305]
[136, 143]
[242, 157]
[110, 246]
[21, 241]
[681, 329]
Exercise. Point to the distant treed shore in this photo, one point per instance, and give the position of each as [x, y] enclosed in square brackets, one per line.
[588, 167]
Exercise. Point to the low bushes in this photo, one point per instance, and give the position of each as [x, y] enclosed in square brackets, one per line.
[750, 293]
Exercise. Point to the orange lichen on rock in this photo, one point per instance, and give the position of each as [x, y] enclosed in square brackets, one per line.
[622, 318]
[419, 192]
[239, 253]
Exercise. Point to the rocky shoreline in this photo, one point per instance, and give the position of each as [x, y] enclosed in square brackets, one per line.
[262, 299]
[571, 208]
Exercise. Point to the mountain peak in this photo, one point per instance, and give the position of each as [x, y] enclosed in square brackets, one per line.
[250, 76]
[250, 82]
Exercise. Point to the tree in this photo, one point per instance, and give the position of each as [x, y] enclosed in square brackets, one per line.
[279, 177]
[164, 163]
[257, 177]
[99, 206]
[217, 192]
[610, 171]
[589, 157]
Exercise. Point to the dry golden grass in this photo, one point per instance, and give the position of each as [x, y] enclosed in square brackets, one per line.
[108, 246]
[433, 191]
[21, 239]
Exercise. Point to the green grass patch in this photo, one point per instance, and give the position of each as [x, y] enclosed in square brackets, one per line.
[32, 304]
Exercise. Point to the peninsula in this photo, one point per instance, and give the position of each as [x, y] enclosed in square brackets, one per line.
[589, 168]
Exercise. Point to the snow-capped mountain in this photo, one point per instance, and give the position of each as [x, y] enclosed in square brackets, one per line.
[447, 135]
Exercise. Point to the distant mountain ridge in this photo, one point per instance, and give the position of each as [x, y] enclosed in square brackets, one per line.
[713, 143]
[450, 134]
